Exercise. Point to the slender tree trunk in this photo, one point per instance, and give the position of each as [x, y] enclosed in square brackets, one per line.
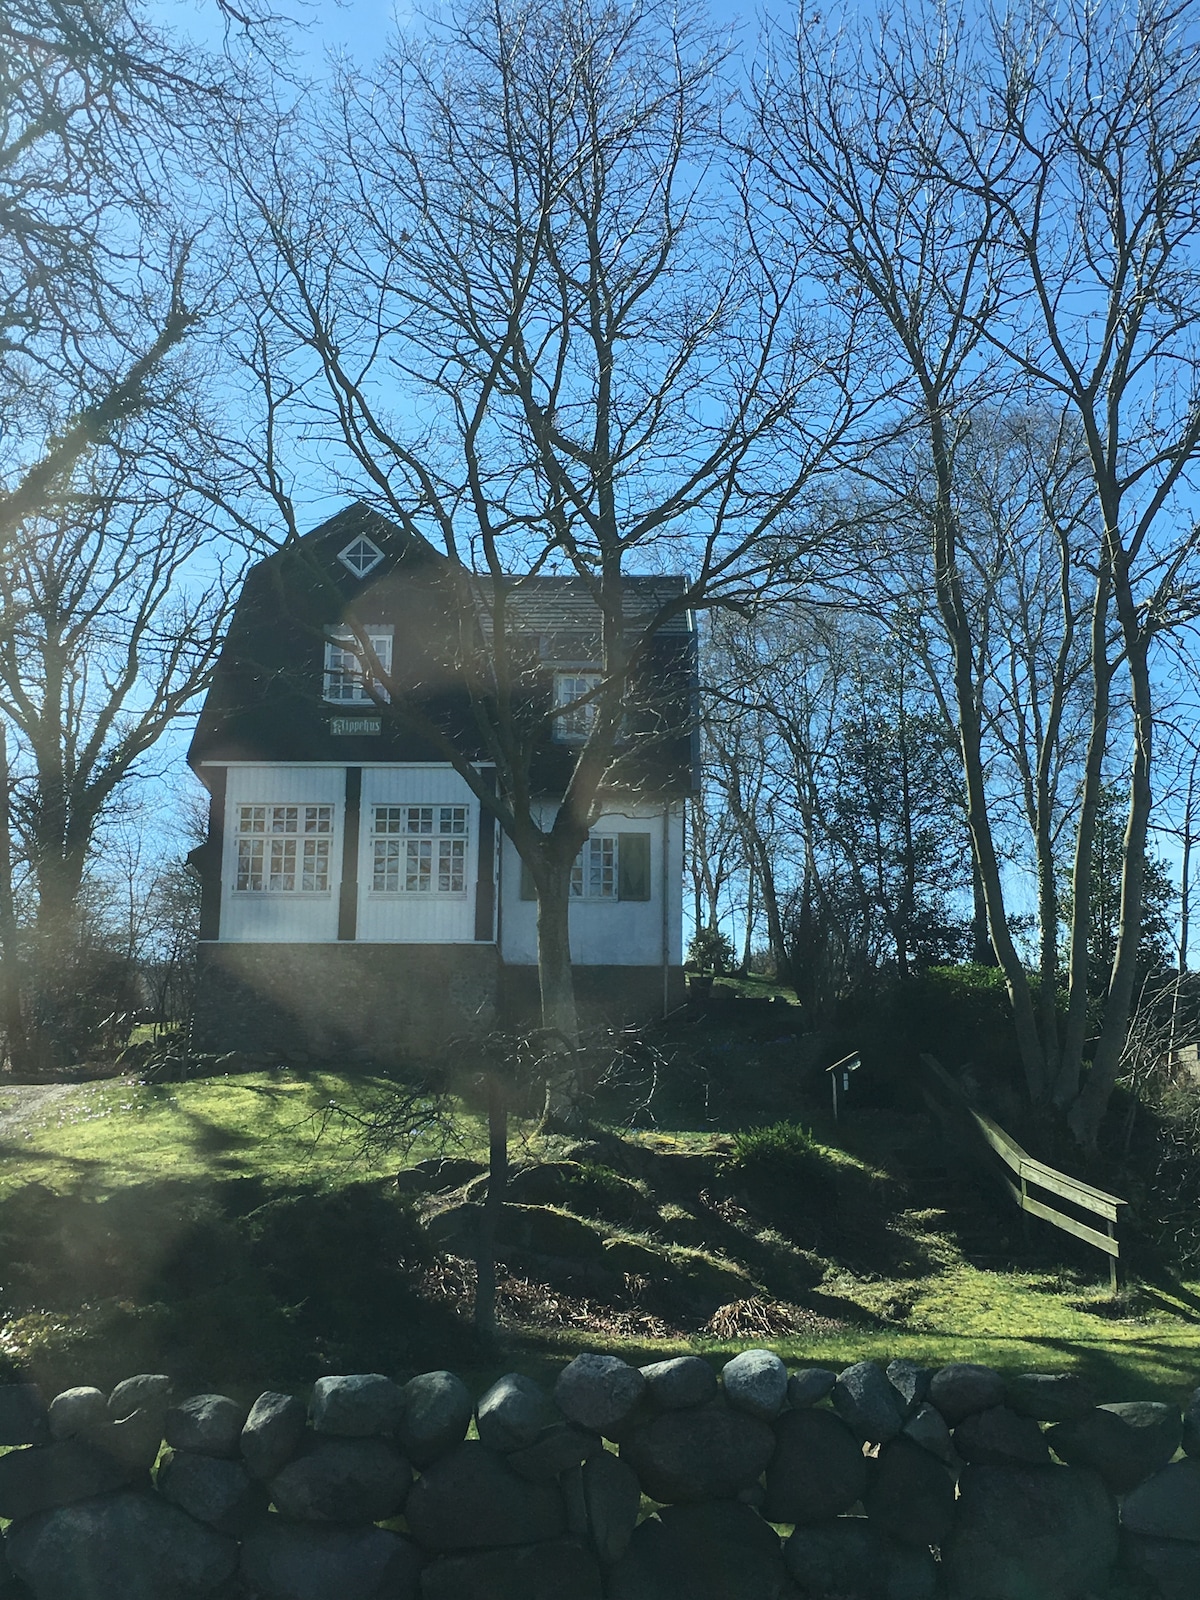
[10, 944]
[958, 629]
[1070, 1069]
[493, 1206]
[1087, 1113]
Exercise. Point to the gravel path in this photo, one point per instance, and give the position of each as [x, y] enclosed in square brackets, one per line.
[22, 1104]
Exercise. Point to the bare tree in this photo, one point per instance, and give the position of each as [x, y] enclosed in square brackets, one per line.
[1017, 201]
[107, 635]
[509, 286]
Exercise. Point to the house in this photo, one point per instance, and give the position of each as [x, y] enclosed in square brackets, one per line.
[356, 893]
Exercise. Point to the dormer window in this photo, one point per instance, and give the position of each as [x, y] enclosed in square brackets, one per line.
[573, 726]
[347, 680]
[360, 556]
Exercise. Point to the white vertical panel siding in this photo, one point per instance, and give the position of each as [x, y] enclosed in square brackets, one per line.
[621, 933]
[285, 918]
[404, 917]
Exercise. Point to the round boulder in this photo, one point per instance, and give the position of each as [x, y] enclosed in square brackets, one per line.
[1049, 1533]
[963, 1387]
[817, 1471]
[707, 1453]
[74, 1411]
[1049, 1396]
[1166, 1506]
[810, 1385]
[999, 1437]
[220, 1493]
[756, 1382]
[469, 1500]
[359, 1405]
[676, 1384]
[273, 1433]
[209, 1424]
[701, 1552]
[1124, 1443]
[127, 1546]
[909, 1494]
[343, 1480]
[867, 1403]
[513, 1413]
[284, 1560]
[435, 1417]
[599, 1392]
[556, 1570]
[843, 1557]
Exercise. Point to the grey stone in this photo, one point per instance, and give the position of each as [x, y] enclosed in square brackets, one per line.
[1046, 1533]
[273, 1433]
[559, 1570]
[723, 1551]
[756, 1381]
[1191, 1425]
[149, 1391]
[134, 1441]
[35, 1479]
[843, 1557]
[22, 1414]
[1166, 1506]
[818, 1469]
[469, 1500]
[558, 1450]
[571, 1488]
[706, 1453]
[436, 1174]
[599, 1392]
[1171, 1565]
[910, 1382]
[867, 1403]
[1049, 1396]
[998, 1436]
[74, 1411]
[963, 1387]
[927, 1427]
[910, 1573]
[513, 1413]
[810, 1385]
[1123, 1443]
[612, 1499]
[126, 1546]
[343, 1480]
[219, 1493]
[681, 1382]
[209, 1424]
[358, 1405]
[301, 1561]
[436, 1415]
[909, 1494]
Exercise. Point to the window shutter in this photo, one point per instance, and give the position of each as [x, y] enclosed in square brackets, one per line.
[528, 892]
[634, 867]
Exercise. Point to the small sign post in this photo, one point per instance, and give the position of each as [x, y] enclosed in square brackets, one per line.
[839, 1076]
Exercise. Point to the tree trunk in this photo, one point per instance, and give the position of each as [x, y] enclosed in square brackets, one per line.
[493, 1206]
[1087, 1113]
[563, 1110]
[13, 1014]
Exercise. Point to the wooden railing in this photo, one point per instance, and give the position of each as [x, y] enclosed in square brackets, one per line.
[944, 1096]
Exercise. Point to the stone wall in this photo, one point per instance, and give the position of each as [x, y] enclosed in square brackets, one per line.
[659, 1483]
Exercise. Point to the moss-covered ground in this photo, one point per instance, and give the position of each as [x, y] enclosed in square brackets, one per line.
[232, 1230]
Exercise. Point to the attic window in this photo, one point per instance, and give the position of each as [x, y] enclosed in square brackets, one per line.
[361, 556]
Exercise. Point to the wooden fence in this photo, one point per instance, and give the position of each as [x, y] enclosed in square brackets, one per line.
[977, 1134]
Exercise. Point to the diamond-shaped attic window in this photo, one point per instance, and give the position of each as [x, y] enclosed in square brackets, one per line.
[361, 556]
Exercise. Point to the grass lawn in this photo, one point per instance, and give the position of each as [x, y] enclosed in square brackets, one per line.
[113, 1150]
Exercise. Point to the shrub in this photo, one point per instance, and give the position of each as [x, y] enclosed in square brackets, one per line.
[783, 1153]
[710, 950]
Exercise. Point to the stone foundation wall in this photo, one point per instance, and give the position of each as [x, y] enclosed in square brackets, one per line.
[872, 1484]
[389, 1001]
[382, 1001]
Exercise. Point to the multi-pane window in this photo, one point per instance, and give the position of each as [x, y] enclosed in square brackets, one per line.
[346, 677]
[284, 849]
[569, 687]
[594, 874]
[419, 849]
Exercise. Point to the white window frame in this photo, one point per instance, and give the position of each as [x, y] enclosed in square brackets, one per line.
[353, 563]
[420, 848]
[279, 840]
[570, 684]
[344, 678]
[596, 870]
